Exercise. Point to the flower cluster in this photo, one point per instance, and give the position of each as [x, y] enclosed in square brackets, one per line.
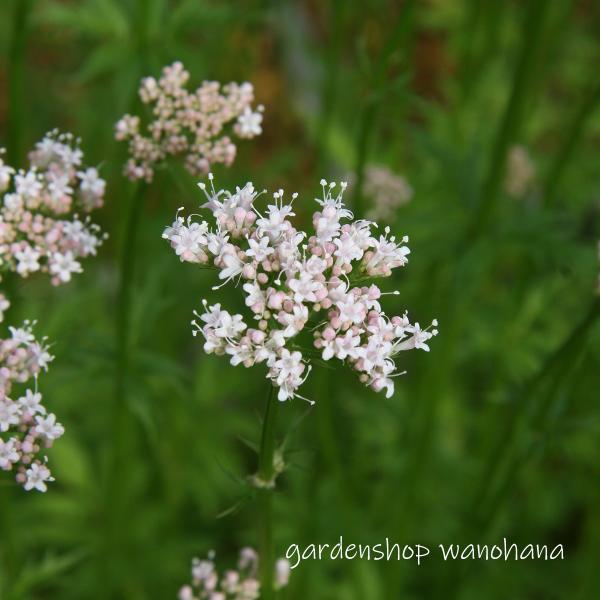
[520, 172]
[293, 282]
[40, 226]
[188, 124]
[240, 584]
[25, 426]
[387, 190]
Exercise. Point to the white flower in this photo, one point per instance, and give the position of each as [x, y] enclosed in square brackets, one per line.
[188, 241]
[91, 182]
[21, 335]
[231, 325]
[255, 297]
[6, 172]
[289, 365]
[63, 265]
[259, 250]
[276, 223]
[347, 345]
[232, 266]
[28, 184]
[304, 287]
[249, 123]
[351, 310]
[10, 414]
[13, 202]
[213, 315]
[282, 573]
[37, 476]
[294, 322]
[8, 454]
[240, 353]
[27, 261]
[31, 403]
[40, 356]
[48, 428]
[58, 185]
[4, 306]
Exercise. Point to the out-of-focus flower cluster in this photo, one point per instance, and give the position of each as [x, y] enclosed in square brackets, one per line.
[26, 428]
[520, 172]
[40, 226]
[387, 190]
[188, 124]
[294, 282]
[598, 285]
[240, 584]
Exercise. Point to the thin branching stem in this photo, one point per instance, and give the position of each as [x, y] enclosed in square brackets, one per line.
[512, 122]
[114, 500]
[16, 81]
[266, 474]
[567, 149]
[368, 118]
[16, 67]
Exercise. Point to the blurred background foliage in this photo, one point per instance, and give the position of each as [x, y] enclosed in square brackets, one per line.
[493, 434]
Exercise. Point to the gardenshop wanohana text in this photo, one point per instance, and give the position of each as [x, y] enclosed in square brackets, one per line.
[389, 551]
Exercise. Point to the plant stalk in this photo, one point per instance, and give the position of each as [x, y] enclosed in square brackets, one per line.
[114, 501]
[9, 550]
[567, 150]
[266, 473]
[16, 83]
[512, 121]
[368, 119]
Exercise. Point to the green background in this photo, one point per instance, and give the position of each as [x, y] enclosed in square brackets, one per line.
[494, 433]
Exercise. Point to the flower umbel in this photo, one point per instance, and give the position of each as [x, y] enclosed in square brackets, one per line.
[40, 224]
[188, 124]
[520, 172]
[297, 282]
[387, 190]
[240, 584]
[26, 428]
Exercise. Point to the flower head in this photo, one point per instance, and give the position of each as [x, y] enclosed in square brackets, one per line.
[25, 427]
[292, 279]
[387, 190]
[188, 123]
[239, 584]
[41, 229]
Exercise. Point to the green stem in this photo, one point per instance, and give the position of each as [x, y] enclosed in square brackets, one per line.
[512, 121]
[8, 548]
[330, 81]
[369, 115]
[114, 507]
[16, 65]
[566, 151]
[267, 472]
[16, 69]
[127, 274]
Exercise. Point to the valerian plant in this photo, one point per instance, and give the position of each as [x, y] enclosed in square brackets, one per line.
[234, 584]
[43, 222]
[40, 230]
[188, 124]
[26, 427]
[293, 280]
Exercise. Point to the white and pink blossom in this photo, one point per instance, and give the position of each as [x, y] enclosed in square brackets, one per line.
[291, 279]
